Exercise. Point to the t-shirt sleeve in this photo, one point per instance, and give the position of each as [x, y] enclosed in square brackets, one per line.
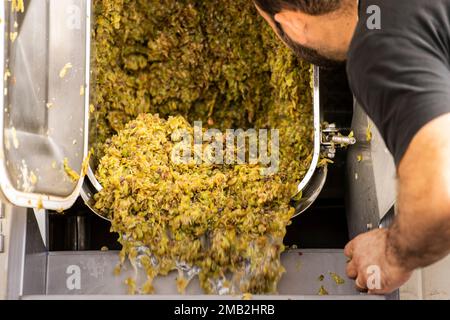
[403, 84]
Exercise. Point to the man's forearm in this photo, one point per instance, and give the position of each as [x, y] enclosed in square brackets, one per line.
[420, 235]
[418, 245]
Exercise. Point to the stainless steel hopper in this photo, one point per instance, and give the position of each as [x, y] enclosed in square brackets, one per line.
[45, 65]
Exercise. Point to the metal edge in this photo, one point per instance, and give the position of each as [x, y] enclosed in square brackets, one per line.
[311, 191]
[93, 179]
[8, 191]
[16, 260]
[317, 131]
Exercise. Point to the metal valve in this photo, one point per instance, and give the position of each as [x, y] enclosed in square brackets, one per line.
[331, 139]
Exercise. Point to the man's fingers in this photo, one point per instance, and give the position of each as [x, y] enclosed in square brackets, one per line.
[348, 250]
[361, 283]
[378, 292]
[360, 279]
[352, 272]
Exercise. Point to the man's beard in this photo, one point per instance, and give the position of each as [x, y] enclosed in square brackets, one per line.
[306, 54]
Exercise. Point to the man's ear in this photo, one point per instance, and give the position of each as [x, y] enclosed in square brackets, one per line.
[293, 24]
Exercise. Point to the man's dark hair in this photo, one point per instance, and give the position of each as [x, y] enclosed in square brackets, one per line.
[312, 7]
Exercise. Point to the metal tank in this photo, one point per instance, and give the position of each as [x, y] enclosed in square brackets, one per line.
[45, 60]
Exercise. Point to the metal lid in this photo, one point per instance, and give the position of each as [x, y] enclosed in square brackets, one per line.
[44, 52]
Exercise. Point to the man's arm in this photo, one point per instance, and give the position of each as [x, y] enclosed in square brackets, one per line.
[420, 234]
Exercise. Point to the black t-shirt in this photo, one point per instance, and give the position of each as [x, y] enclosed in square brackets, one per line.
[400, 73]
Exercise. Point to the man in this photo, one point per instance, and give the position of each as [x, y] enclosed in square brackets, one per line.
[398, 63]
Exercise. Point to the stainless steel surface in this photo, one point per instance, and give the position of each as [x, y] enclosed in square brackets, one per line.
[317, 131]
[199, 297]
[35, 265]
[311, 191]
[95, 272]
[77, 233]
[387, 219]
[371, 177]
[90, 187]
[41, 216]
[45, 106]
[34, 273]
[346, 141]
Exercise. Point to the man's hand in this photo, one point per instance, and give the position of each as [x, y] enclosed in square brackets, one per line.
[367, 251]
[420, 234]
